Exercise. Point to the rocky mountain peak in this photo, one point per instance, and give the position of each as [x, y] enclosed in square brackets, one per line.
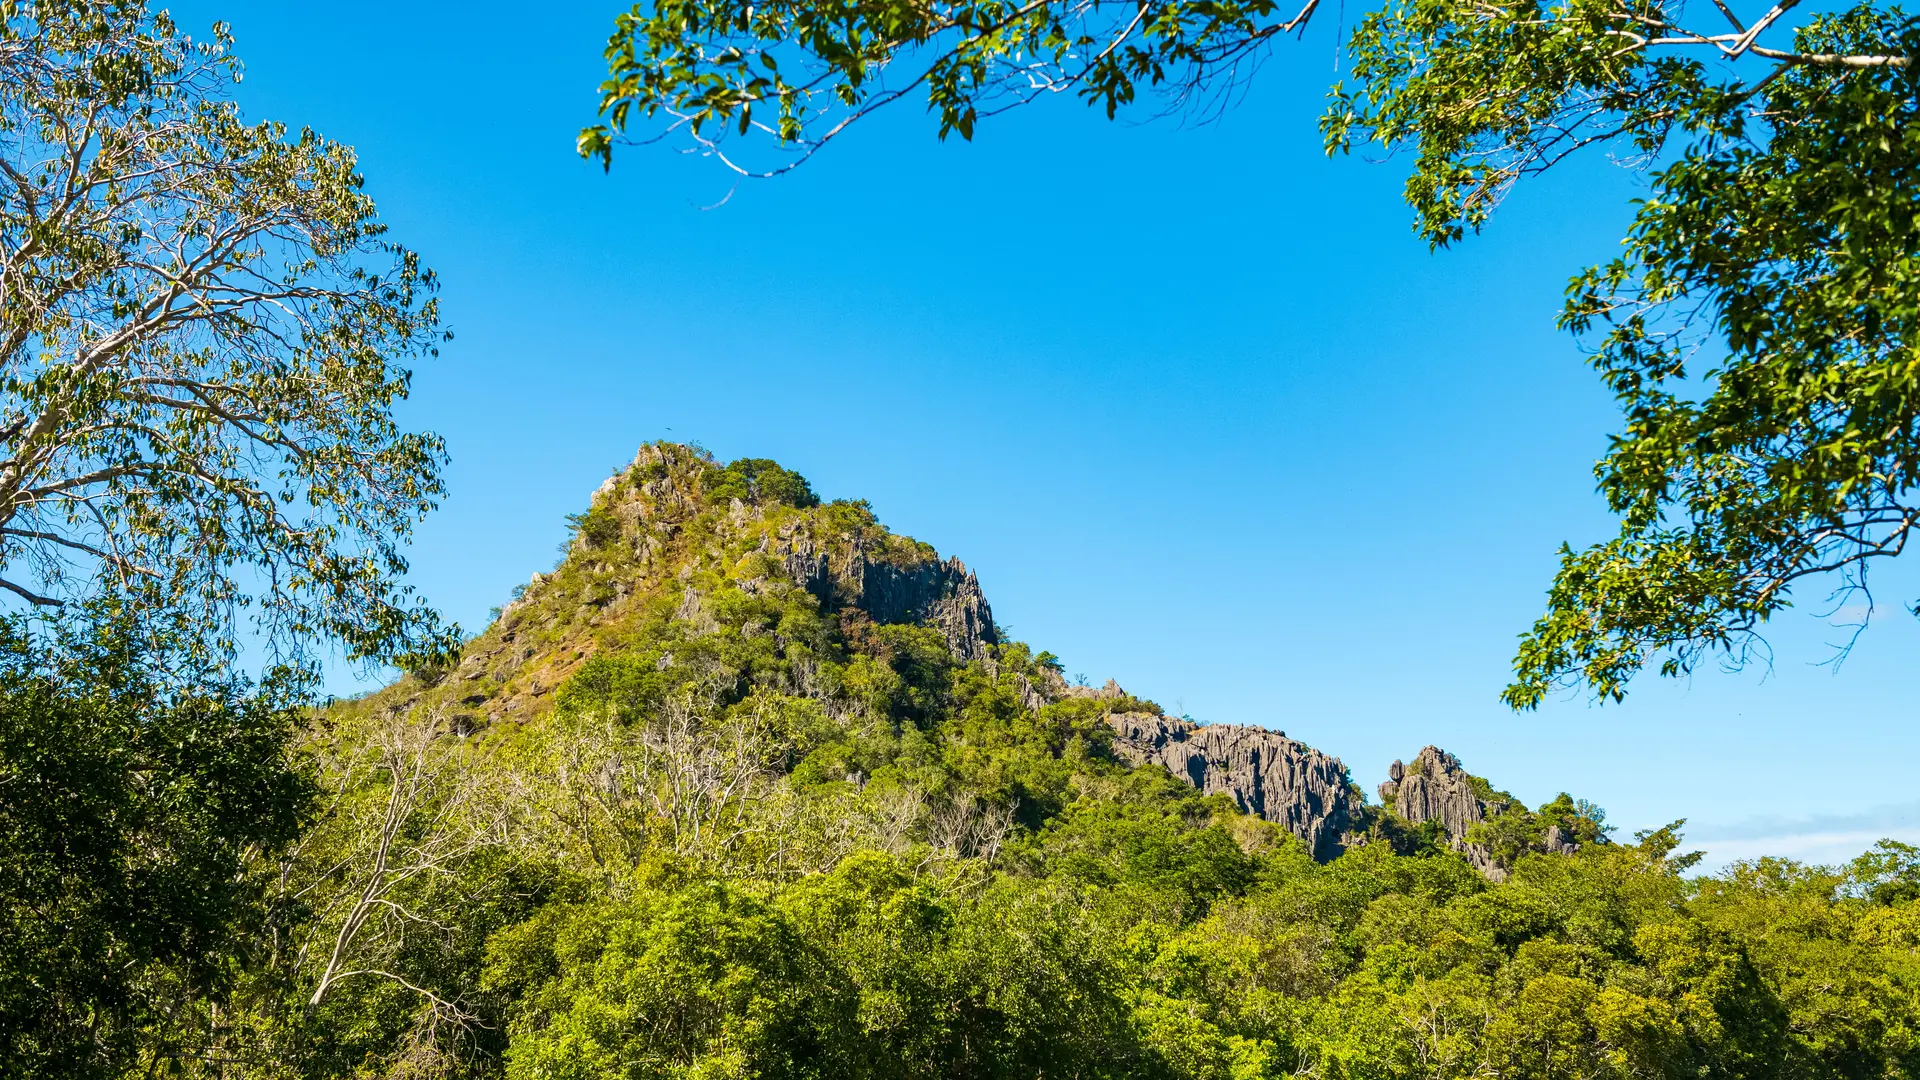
[677, 535]
[676, 551]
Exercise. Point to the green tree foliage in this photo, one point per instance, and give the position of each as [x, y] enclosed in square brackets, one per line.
[595, 528]
[1515, 830]
[752, 835]
[203, 333]
[128, 817]
[758, 480]
[1888, 874]
[797, 72]
[1756, 331]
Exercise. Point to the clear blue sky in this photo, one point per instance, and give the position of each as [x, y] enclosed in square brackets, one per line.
[1193, 401]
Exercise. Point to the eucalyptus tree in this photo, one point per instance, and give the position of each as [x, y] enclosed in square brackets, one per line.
[204, 330]
[1757, 329]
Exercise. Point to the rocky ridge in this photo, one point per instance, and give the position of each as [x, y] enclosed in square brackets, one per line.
[1282, 780]
[1310, 794]
[655, 541]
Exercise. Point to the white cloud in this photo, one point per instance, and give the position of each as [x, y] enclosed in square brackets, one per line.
[1827, 839]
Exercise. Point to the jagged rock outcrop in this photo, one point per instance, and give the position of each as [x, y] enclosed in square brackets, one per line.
[1434, 787]
[945, 595]
[1307, 792]
[1282, 780]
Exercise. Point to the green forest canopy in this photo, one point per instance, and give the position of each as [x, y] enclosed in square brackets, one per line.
[681, 813]
[752, 835]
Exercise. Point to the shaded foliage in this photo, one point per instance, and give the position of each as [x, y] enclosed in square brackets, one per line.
[128, 815]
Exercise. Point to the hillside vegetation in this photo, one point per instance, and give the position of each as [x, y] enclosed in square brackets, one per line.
[749, 786]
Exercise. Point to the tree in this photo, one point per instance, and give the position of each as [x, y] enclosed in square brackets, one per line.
[203, 332]
[405, 816]
[705, 982]
[128, 817]
[1757, 330]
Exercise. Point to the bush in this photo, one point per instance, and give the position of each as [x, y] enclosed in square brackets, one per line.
[759, 481]
[596, 528]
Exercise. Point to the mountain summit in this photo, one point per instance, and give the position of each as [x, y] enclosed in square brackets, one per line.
[748, 785]
[692, 584]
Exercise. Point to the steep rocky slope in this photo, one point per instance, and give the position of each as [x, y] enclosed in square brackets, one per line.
[676, 550]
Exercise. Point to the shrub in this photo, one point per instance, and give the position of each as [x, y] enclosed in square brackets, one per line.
[596, 528]
[758, 481]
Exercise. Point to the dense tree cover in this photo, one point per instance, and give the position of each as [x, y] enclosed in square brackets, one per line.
[1378, 965]
[129, 817]
[1757, 330]
[754, 836]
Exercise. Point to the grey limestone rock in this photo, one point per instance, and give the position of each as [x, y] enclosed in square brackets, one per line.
[945, 595]
[1434, 787]
[1557, 842]
[1280, 779]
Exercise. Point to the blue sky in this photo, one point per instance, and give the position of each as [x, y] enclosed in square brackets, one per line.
[1193, 401]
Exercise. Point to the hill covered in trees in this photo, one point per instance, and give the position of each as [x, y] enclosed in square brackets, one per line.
[749, 786]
